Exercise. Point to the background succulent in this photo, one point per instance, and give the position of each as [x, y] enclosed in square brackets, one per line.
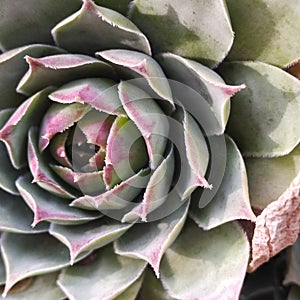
[117, 181]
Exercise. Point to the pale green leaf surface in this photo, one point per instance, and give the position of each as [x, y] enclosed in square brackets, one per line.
[191, 30]
[94, 28]
[197, 263]
[14, 132]
[48, 207]
[2, 272]
[264, 117]
[12, 68]
[268, 178]
[15, 215]
[41, 286]
[144, 66]
[204, 81]
[148, 117]
[89, 236]
[265, 30]
[131, 292]
[93, 91]
[29, 255]
[107, 277]
[24, 23]
[41, 172]
[156, 192]
[150, 241]
[231, 201]
[59, 69]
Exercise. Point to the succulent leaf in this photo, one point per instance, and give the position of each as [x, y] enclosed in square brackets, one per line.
[107, 277]
[59, 69]
[47, 207]
[196, 250]
[14, 131]
[293, 272]
[196, 26]
[150, 241]
[94, 28]
[16, 217]
[269, 108]
[231, 201]
[12, 68]
[89, 236]
[132, 291]
[34, 21]
[260, 27]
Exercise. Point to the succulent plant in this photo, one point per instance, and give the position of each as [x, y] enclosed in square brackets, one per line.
[149, 149]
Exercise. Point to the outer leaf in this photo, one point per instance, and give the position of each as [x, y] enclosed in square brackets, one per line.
[93, 91]
[196, 26]
[108, 276]
[231, 201]
[15, 216]
[142, 65]
[88, 236]
[148, 117]
[264, 116]
[59, 69]
[132, 291]
[209, 257]
[14, 132]
[152, 288]
[150, 241]
[29, 255]
[118, 5]
[269, 177]
[204, 81]
[43, 283]
[264, 31]
[34, 21]
[95, 28]
[13, 66]
[2, 272]
[47, 207]
[41, 172]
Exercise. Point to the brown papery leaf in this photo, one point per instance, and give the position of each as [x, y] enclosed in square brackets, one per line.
[277, 226]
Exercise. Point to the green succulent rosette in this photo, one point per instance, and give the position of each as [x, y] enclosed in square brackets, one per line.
[127, 170]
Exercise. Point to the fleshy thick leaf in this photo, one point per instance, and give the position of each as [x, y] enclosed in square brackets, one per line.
[108, 276]
[277, 227]
[59, 69]
[2, 272]
[93, 91]
[269, 177]
[204, 81]
[29, 255]
[26, 23]
[47, 207]
[15, 216]
[150, 241]
[117, 198]
[14, 132]
[58, 118]
[141, 65]
[192, 31]
[231, 201]
[117, 5]
[43, 283]
[13, 66]
[148, 117]
[95, 28]
[264, 118]
[208, 257]
[131, 292]
[88, 236]
[41, 172]
[265, 30]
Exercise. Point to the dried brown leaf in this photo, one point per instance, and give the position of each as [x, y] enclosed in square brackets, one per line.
[277, 226]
